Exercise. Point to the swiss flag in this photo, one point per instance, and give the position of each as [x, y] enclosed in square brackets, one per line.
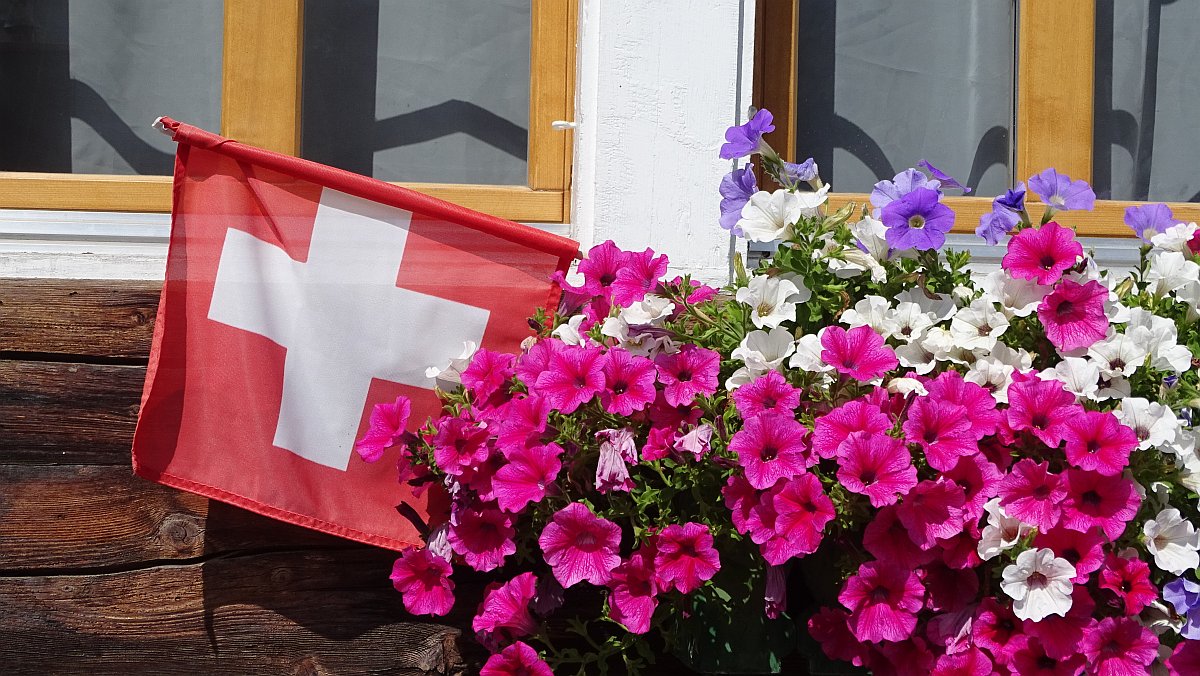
[297, 296]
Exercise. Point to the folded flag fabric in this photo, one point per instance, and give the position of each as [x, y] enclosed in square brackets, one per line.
[297, 296]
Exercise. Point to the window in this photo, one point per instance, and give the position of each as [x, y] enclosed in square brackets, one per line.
[454, 98]
[990, 91]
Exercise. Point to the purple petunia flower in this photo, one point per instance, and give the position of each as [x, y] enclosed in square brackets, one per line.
[917, 221]
[805, 171]
[1150, 219]
[997, 223]
[736, 188]
[1184, 595]
[945, 179]
[1060, 193]
[886, 192]
[746, 139]
[1013, 199]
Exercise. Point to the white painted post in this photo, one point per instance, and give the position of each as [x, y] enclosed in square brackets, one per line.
[659, 82]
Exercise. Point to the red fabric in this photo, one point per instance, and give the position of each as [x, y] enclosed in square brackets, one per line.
[212, 397]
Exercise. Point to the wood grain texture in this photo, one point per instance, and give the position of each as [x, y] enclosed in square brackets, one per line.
[775, 66]
[96, 517]
[280, 613]
[80, 192]
[102, 318]
[68, 413]
[551, 92]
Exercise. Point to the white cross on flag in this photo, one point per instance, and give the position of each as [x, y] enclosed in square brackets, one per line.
[298, 296]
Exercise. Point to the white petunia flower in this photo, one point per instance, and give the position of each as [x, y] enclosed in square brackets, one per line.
[945, 346]
[911, 322]
[992, 375]
[769, 216]
[1153, 423]
[1001, 532]
[872, 311]
[652, 310]
[803, 293]
[1017, 297]
[1078, 376]
[1170, 271]
[1019, 359]
[906, 386]
[851, 261]
[977, 326]
[914, 356]
[1039, 584]
[769, 300]
[764, 351]
[636, 339]
[1190, 295]
[568, 332]
[1115, 387]
[1121, 354]
[1173, 542]
[941, 307]
[1166, 354]
[449, 377]
[1174, 238]
[1160, 619]
[808, 354]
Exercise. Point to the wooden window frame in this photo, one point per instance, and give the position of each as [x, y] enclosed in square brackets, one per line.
[262, 53]
[1054, 105]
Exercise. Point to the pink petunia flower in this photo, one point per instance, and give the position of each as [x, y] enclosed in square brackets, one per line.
[483, 536]
[1033, 660]
[517, 659]
[877, 466]
[459, 443]
[696, 442]
[664, 414]
[600, 267]
[629, 382]
[423, 579]
[536, 360]
[478, 475]
[887, 539]
[617, 452]
[1098, 501]
[388, 424]
[1073, 314]
[520, 421]
[579, 545]
[689, 373]
[1081, 549]
[1033, 494]
[1185, 659]
[980, 405]
[1042, 407]
[1129, 579]
[830, 628]
[831, 429]
[770, 447]
[775, 592]
[903, 658]
[685, 557]
[970, 662]
[859, 353]
[1042, 254]
[948, 589]
[488, 372]
[942, 429]
[659, 443]
[575, 375]
[634, 592]
[980, 481]
[1059, 636]
[1119, 646]
[740, 497]
[997, 630]
[770, 393]
[802, 511]
[961, 550]
[529, 472]
[503, 614]
[638, 275]
[932, 510]
[1097, 441]
[883, 600]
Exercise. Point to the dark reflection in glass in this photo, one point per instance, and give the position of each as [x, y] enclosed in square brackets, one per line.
[412, 90]
[1146, 145]
[883, 84]
[82, 81]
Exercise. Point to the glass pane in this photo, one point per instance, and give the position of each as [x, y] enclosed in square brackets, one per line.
[82, 81]
[884, 84]
[1147, 101]
[412, 90]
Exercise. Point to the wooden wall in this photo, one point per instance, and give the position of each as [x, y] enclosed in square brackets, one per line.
[104, 572]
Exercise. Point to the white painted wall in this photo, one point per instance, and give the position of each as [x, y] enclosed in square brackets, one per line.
[659, 82]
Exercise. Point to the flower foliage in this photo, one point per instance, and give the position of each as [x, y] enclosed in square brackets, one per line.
[998, 469]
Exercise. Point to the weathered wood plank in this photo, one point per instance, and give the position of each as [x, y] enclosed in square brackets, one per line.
[104, 318]
[92, 517]
[70, 413]
[292, 612]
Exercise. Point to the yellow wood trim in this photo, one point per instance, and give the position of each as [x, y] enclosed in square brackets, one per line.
[261, 74]
[967, 210]
[1055, 72]
[775, 70]
[80, 192]
[551, 67]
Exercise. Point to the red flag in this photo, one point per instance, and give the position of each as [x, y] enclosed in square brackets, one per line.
[297, 296]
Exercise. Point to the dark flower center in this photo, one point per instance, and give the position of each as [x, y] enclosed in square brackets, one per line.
[1047, 261]
[608, 278]
[1044, 662]
[930, 436]
[769, 402]
[868, 476]
[1064, 309]
[684, 375]
[1116, 364]
[984, 329]
[1041, 492]
[1072, 556]
[585, 540]
[581, 380]
[1091, 498]
[768, 453]
[619, 387]
[880, 594]
[1039, 420]
[1093, 446]
[1037, 580]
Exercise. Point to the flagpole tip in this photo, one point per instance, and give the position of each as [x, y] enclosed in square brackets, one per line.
[158, 124]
